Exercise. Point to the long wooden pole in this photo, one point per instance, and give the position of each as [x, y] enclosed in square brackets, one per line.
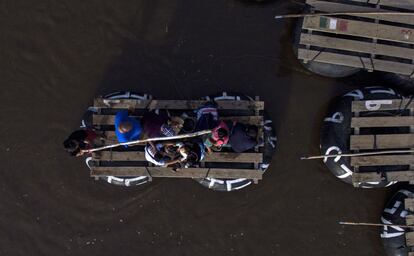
[373, 224]
[359, 154]
[341, 13]
[135, 142]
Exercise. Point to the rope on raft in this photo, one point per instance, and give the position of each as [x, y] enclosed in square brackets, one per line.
[136, 142]
[341, 13]
[359, 154]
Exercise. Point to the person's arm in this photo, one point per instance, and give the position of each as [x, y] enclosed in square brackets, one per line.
[172, 162]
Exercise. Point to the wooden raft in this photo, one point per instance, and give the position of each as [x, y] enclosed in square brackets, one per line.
[131, 162]
[397, 133]
[370, 42]
[409, 221]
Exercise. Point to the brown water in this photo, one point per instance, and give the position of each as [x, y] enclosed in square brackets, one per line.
[55, 56]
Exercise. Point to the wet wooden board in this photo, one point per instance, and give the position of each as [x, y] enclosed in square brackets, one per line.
[389, 121]
[213, 157]
[252, 120]
[382, 160]
[381, 141]
[324, 6]
[409, 220]
[381, 105]
[361, 29]
[181, 173]
[176, 104]
[355, 61]
[360, 177]
[405, 4]
[356, 46]
[409, 204]
[409, 238]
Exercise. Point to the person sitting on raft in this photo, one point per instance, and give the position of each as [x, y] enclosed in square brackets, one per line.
[243, 137]
[157, 154]
[159, 124]
[190, 152]
[218, 138]
[80, 141]
[207, 116]
[126, 128]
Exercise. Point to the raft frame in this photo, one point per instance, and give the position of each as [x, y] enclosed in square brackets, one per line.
[404, 119]
[131, 162]
[371, 42]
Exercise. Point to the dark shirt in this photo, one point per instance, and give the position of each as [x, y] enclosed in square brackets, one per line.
[239, 140]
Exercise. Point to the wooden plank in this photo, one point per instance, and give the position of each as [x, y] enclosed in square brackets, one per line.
[381, 105]
[382, 160]
[342, 7]
[356, 46]
[213, 157]
[354, 61]
[181, 173]
[404, 4]
[361, 29]
[409, 204]
[411, 254]
[382, 141]
[176, 104]
[409, 220]
[409, 238]
[359, 177]
[252, 120]
[388, 121]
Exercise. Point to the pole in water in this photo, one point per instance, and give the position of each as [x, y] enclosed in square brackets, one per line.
[341, 13]
[373, 224]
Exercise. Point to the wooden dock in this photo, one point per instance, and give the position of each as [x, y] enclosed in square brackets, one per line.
[130, 162]
[397, 134]
[370, 42]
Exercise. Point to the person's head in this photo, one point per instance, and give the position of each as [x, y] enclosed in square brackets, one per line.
[124, 127]
[222, 133]
[184, 151]
[176, 123]
[191, 160]
[71, 146]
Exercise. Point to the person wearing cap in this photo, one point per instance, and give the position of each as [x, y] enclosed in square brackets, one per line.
[126, 128]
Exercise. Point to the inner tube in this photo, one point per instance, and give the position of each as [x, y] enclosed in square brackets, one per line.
[393, 238]
[323, 69]
[87, 122]
[402, 82]
[336, 131]
[269, 148]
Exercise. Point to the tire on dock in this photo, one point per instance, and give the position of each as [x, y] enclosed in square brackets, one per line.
[323, 69]
[393, 238]
[269, 147]
[87, 122]
[336, 131]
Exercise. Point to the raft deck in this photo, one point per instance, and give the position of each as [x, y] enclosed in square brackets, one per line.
[131, 162]
[395, 132]
[409, 221]
[370, 42]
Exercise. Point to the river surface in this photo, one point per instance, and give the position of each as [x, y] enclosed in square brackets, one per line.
[56, 56]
